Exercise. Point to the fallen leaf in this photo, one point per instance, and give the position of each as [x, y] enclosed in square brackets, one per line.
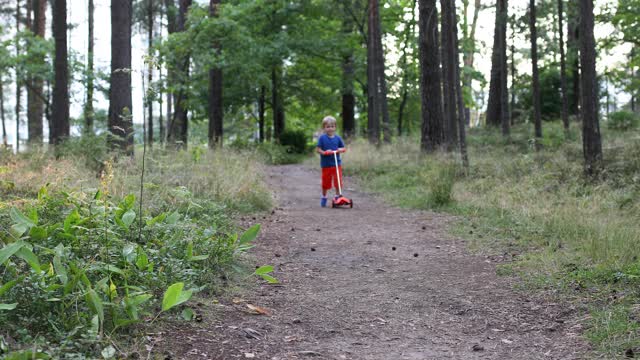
[258, 310]
[498, 330]
[506, 341]
[477, 347]
[249, 355]
[309, 353]
[291, 338]
[237, 300]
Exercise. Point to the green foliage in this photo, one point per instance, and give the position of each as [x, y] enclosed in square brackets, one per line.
[622, 120]
[296, 141]
[88, 269]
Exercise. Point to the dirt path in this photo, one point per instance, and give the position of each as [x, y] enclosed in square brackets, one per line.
[347, 294]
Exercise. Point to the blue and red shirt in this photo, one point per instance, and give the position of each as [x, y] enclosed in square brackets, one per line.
[329, 143]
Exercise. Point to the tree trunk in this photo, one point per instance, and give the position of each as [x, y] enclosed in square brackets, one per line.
[512, 105]
[178, 129]
[373, 78]
[563, 70]
[276, 103]
[18, 78]
[591, 142]
[348, 73]
[60, 105]
[430, 83]
[35, 107]
[573, 57]
[469, 51]
[120, 103]
[495, 112]
[462, 138]
[449, 74]
[409, 31]
[505, 119]
[2, 115]
[261, 109]
[150, 15]
[537, 117]
[88, 107]
[216, 112]
[384, 104]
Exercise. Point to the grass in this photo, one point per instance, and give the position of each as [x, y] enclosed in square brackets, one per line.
[566, 232]
[94, 269]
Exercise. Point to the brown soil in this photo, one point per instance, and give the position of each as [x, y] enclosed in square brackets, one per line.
[345, 293]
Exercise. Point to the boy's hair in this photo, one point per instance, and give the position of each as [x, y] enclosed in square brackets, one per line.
[328, 120]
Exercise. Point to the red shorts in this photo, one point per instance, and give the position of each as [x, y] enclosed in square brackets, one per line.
[329, 176]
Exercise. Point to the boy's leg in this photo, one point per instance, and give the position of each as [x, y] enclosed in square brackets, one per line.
[335, 180]
[326, 185]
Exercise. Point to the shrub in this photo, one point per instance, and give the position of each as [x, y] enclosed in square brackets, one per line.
[295, 141]
[622, 120]
[441, 186]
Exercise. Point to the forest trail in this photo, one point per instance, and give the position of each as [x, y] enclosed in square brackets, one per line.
[346, 294]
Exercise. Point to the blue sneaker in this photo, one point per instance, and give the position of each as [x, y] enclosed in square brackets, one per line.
[323, 202]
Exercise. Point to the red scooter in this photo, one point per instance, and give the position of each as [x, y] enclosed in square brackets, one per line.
[340, 200]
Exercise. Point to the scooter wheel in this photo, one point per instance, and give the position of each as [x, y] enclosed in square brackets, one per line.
[351, 204]
[333, 205]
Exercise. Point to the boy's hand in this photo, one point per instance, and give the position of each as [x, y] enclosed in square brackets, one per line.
[328, 152]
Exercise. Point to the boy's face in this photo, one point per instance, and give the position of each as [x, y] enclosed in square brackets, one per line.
[330, 129]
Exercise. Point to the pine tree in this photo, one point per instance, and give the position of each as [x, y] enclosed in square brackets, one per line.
[60, 101]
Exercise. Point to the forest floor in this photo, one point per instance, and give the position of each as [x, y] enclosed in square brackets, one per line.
[372, 282]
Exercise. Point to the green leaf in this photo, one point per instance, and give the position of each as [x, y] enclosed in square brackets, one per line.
[7, 251]
[95, 304]
[129, 201]
[129, 252]
[188, 314]
[109, 352]
[6, 287]
[27, 255]
[199, 257]
[60, 269]
[8, 306]
[264, 270]
[42, 193]
[128, 218]
[157, 219]
[20, 218]
[175, 296]
[17, 230]
[269, 279]
[189, 250]
[71, 220]
[38, 233]
[142, 261]
[249, 235]
[173, 218]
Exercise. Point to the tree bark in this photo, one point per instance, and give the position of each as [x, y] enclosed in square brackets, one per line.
[120, 102]
[409, 31]
[2, 115]
[591, 141]
[261, 109]
[469, 51]
[449, 74]
[497, 84]
[563, 69]
[216, 111]
[150, 15]
[35, 107]
[573, 57]
[348, 73]
[374, 85]
[88, 107]
[18, 78]
[179, 125]
[276, 103]
[430, 77]
[462, 139]
[537, 117]
[60, 105]
[505, 119]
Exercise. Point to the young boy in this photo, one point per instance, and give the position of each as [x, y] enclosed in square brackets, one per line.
[327, 144]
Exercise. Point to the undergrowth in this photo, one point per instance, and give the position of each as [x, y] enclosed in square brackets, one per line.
[563, 232]
[81, 266]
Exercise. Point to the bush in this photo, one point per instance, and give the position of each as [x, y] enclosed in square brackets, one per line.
[295, 141]
[622, 120]
[89, 265]
[441, 187]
